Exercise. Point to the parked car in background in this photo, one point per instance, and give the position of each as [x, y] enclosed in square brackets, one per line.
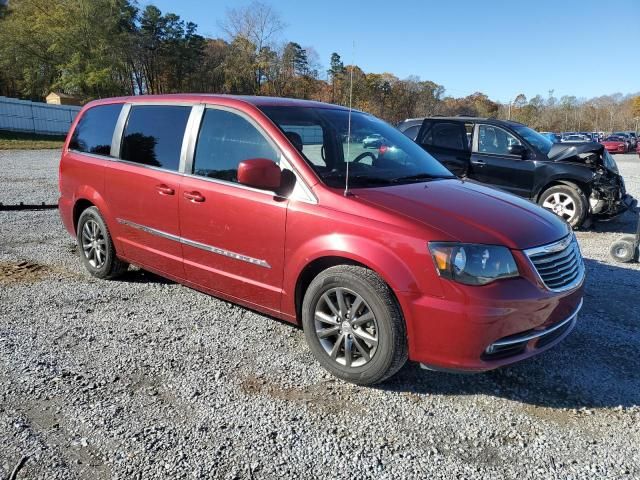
[633, 140]
[626, 137]
[616, 144]
[554, 137]
[234, 196]
[372, 141]
[410, 127]
[574, 180]
[576, 138]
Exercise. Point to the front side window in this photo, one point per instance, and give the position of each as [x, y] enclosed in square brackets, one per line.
[94, 131]
[495, 140]
[153, 135]
[225, 140]
[377, 153]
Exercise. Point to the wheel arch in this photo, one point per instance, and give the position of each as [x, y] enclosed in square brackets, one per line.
[87, 197]
[569, 182]
[301, 269]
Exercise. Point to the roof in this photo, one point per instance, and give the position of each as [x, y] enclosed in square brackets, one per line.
[257, 101]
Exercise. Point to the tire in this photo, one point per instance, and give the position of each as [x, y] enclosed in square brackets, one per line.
[96, 247]
[624, 249]
[566, 201]
[376, 338]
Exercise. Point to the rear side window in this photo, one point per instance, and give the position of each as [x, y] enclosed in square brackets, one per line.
[95, 129]
[225, 140]
[153, 135]
[446, 135]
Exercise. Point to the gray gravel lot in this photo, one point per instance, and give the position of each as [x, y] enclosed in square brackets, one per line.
[144, 378]
[29, 176]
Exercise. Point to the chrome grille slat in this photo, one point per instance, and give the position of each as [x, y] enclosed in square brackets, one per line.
[569, 259]
[562, 272]
[552, 258]
[559, 265]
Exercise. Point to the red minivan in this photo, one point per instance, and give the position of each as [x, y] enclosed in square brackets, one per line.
[377, 251]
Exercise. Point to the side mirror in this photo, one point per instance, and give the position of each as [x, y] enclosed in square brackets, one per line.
[260, 173]
[518, 150]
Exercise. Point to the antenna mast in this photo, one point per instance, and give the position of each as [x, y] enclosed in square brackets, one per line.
[346, 178]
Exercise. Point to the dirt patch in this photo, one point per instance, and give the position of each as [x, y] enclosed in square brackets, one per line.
[320, 395]
[22, 272]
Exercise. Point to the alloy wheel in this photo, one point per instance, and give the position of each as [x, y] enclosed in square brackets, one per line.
[94, 245]
[561, 204]
[346, 327]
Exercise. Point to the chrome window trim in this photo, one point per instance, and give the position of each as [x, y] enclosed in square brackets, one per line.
[232, 184]
[536, 334]
[116, 140]
[91, 155]
[557, 247]
[188, 140]
[192, 243]
[189, 143]
[193, 129]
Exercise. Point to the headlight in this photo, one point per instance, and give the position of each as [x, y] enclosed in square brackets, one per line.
[473, 264]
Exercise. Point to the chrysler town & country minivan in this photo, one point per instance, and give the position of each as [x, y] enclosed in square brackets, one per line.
[380, 255]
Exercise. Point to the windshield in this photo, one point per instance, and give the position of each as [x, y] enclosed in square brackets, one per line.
[534, 138]
[377, 154]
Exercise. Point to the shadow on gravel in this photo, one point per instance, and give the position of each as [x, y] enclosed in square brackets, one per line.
[595, 366]
[142, 276]
[623, 224]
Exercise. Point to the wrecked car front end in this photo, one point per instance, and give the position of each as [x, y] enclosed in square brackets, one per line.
[606, 190]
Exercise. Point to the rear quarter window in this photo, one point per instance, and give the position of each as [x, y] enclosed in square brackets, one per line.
[94, 131]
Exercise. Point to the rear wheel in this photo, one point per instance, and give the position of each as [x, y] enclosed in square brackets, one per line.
[96, 248]
[353, 325]
[566, 201]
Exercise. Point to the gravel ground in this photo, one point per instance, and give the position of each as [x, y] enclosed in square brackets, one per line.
[144, 378]
[29, 176]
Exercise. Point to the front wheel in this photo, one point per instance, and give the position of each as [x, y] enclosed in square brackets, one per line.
[566, 201]
[353, 325]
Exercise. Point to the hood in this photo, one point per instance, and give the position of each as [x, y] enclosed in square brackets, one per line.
[573, 152]
[468, 212]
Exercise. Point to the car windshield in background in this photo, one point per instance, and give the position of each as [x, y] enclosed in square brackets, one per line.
[377, 154]
[534, 138]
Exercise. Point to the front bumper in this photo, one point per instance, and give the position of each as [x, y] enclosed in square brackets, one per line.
[465, 336]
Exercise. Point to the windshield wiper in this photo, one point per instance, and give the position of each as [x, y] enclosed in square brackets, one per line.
[420, 177]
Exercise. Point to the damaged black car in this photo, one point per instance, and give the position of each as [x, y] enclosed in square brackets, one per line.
[577, 181]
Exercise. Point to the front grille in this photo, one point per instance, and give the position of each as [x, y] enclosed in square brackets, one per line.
[559, 265]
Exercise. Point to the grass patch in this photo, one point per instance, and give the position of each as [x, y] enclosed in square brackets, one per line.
[29, 141]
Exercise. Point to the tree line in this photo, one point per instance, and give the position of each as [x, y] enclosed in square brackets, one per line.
[102, 48]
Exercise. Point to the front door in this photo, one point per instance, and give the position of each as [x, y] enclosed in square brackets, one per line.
[142, 189]
[493, 164]
[232, 236]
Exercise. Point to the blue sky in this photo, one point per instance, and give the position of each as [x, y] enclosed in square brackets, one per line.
[501, 48]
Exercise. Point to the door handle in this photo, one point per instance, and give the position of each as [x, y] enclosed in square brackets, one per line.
[165, 190]
[479, 163]
[193, 196]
